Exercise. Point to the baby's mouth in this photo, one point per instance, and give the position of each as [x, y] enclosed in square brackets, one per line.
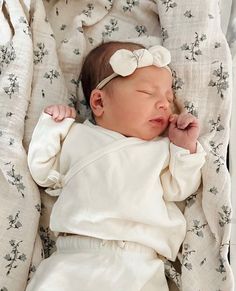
[158, 120]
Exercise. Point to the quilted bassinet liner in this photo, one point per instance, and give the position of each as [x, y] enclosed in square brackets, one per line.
[41, 53]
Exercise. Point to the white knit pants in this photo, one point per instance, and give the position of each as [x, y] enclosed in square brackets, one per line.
[90, 264]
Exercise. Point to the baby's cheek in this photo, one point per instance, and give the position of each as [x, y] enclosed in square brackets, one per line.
[173, 108]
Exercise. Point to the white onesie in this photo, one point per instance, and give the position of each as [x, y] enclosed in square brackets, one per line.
[114, 189]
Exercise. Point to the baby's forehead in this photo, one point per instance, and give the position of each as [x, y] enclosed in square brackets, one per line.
[152, 75]
[154, 70]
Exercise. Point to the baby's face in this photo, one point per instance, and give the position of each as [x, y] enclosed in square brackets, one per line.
[139, 105]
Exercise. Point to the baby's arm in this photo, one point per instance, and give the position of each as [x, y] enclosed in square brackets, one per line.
[45, 145]
[183, 176]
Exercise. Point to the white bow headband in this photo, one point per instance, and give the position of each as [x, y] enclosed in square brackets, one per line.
[124, 62]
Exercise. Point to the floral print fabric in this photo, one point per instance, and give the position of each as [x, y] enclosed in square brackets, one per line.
[41, 55]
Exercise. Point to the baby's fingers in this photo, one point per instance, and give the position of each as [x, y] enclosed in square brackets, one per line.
[173, 118]
[48, 110]
[70, 112]
[186, 119]
[52, 110]
[59, 113]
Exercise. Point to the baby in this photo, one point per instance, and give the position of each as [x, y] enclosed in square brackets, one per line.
[117, 177]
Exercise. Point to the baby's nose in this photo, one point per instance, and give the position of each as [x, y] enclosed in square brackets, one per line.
[163, 104]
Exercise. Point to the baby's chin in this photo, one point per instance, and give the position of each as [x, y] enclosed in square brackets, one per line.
[162, 133]
[165, 132]
[150, 136]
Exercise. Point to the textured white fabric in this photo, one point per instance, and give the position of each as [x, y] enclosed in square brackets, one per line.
[209, 212]
[19, 196]
[5, 30]
[228, 24]
[232, 164]
[115, 187]
[225, 9]
[88, 264]
[125, 62]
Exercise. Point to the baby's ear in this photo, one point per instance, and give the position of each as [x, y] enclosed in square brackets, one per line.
[96, 102]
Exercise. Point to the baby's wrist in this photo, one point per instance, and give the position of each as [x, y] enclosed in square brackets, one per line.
[192, 147]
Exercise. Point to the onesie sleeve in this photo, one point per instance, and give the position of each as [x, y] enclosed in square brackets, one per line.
[45, 148]
[183, 176]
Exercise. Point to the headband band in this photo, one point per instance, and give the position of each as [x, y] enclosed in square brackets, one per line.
[124, 62]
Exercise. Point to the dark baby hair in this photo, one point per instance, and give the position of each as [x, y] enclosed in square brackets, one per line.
[96, 66]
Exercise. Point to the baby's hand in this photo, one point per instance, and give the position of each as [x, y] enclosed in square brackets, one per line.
[184, 131]
[60, 112]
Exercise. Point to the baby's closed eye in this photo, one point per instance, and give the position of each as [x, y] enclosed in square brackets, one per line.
[145, 92]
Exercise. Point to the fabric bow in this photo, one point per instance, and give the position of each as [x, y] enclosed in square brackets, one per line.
[125, 62]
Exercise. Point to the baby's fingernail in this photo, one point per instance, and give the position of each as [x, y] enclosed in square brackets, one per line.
[181, 126]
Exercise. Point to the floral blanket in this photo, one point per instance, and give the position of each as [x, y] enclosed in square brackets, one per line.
[42, 47]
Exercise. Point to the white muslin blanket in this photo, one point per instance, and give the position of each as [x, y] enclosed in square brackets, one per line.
[42, 47]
